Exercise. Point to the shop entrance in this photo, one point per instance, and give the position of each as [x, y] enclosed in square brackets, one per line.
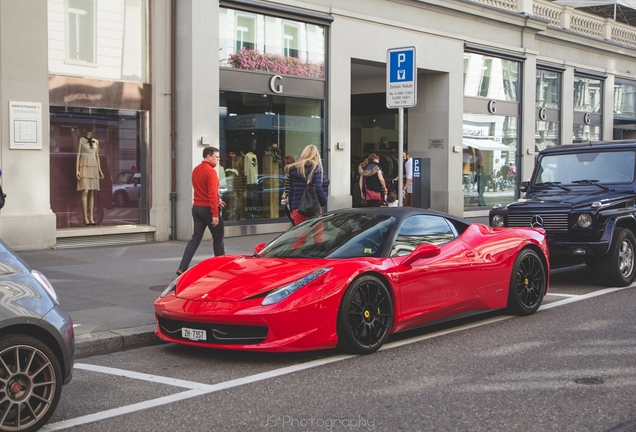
[374, 129]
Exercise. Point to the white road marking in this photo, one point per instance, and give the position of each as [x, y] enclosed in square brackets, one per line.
[562, 295]
[199, 389]
[582, 297]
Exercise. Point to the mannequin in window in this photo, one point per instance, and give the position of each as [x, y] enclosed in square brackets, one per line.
[89, 172]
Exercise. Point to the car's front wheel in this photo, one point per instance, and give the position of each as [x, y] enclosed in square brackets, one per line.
[30, 383]
[528, 283]
[121, 199]
[365, 316]
[617, 267]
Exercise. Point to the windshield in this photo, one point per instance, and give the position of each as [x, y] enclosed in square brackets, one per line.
[586, 168]
[333, 236]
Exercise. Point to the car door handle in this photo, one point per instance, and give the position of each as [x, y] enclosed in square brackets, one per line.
[470, 254]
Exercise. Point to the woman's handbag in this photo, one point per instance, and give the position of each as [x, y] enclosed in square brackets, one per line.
[370, 195]
[309, 205]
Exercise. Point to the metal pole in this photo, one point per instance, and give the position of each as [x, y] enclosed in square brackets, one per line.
[400, 150]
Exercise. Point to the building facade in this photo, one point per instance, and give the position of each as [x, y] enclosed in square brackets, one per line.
[142, 87]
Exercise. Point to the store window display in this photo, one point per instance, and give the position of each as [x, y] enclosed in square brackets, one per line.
[255, 132]
[92, 151]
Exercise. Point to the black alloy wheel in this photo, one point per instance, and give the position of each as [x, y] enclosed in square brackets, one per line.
[365, 316]
[528, 283]
[30, 383]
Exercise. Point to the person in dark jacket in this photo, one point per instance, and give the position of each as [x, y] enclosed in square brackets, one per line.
[371, 179]
[308, 166]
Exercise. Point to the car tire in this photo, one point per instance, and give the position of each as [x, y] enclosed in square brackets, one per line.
[528, 283]
[32, 379]
[120, 198]
[365, 316]
[617, 268]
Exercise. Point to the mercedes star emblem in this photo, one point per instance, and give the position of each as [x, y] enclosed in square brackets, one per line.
[536, 222]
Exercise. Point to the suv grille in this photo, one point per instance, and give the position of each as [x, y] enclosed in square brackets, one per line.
[551, 221]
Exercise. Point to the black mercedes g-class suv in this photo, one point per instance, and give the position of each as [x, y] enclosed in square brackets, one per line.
[584, 197]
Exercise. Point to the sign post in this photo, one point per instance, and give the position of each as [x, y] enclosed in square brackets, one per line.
[401, 92]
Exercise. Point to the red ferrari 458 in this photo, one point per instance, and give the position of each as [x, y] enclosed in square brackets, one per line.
[350, 278]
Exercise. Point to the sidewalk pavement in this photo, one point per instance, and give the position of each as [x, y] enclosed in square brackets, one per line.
[109, 291]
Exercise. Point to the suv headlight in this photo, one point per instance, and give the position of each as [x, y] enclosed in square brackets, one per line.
[584, 220]
[498, 220]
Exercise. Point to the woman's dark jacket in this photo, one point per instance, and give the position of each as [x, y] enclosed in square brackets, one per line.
[369, 175]
[298, 184]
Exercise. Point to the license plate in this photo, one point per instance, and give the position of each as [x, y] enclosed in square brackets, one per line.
[193, 334]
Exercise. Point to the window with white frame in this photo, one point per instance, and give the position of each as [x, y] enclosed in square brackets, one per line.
[291, 40]
[81, 30]
[245, 32]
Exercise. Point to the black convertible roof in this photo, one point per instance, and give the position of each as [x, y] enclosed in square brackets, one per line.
[400, 212]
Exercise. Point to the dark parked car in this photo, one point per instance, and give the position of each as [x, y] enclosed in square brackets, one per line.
[36, 345]
[584, 197]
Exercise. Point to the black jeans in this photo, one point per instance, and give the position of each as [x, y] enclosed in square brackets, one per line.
[202, 217]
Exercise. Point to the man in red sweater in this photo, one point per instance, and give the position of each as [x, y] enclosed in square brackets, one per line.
[205, 208]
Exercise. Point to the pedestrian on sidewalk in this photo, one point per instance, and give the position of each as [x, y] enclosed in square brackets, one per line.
[205, 208]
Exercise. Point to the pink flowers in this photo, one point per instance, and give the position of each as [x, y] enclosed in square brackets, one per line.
[253, 60]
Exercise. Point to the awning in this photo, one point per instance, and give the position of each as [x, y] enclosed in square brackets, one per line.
[620, 10]
[484, 144]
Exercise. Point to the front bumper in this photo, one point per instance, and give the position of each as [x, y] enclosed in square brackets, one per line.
[246, 325]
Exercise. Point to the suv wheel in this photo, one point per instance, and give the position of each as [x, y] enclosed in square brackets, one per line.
[617, 267]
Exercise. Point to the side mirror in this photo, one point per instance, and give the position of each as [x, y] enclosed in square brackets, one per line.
[524, 186]
[259, 247]
[422, 251]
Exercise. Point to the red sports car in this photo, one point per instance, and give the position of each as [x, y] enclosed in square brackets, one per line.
[350, 278]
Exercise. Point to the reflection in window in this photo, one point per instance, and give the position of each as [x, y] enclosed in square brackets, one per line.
[491, 77]
[422, 229]
[490, 141]
[290, 40]
[625, 100]
[546, 135]
[256, 132]
[81, 40]
[486, 70]
[122, 195]
[548, 88]
[583, 133]
[245, 32]
[91, 39]
[587, 94]
[604, 167]
[270, 44]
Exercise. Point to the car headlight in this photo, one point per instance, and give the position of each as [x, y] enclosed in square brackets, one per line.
[585, 220]
[170, 288]
[42, 280]
[498, 220]
[282, 292]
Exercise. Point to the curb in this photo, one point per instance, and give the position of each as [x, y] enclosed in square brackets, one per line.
[106, 342]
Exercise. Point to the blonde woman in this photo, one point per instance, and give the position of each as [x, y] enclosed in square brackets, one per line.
[308, 166]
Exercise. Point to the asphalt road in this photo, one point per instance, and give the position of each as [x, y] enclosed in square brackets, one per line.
[570, 367]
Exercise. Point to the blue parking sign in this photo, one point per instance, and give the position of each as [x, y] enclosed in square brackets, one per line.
[401, 66]
[401, 78]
